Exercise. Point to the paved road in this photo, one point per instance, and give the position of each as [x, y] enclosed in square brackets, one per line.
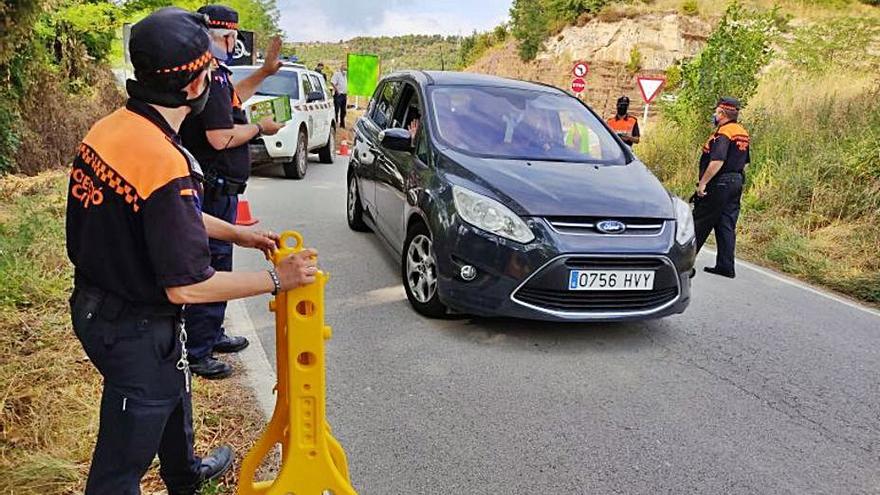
[760, 387]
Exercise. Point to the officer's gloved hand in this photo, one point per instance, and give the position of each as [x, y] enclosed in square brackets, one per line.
[298, 269]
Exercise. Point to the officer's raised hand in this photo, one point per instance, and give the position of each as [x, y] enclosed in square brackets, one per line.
[269, 127]
[298, 269]
[271, 64]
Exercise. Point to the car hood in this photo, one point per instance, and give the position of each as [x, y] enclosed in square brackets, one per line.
[540, 188]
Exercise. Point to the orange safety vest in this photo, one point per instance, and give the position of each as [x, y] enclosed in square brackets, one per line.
[626, 124]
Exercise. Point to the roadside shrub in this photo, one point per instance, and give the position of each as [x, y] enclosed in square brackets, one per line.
[690, 7]
[635, 60]
[728, 65]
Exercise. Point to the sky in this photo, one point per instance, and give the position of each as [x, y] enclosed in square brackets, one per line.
[334, 20]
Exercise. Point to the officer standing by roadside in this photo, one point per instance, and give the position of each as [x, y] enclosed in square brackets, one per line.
[623, 124]
[717, 199]
[218, 138]
[139, 245]
[339, 80]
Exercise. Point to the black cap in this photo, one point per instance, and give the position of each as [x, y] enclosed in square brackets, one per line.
[728, 103]
[623, 99]
[220, 16]
[170, 40]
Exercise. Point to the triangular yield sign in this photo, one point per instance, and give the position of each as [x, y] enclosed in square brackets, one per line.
[650, 87]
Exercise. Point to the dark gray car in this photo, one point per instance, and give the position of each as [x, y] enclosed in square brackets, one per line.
[515, 199]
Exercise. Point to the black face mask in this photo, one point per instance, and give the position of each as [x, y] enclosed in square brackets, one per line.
[622, 109]
[197, 105]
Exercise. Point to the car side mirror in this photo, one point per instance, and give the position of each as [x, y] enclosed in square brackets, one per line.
[314, 96]
[396, 139]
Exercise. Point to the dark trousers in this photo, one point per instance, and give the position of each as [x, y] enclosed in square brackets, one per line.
[340, 103]
[145, 408]
[204, 322]
[718, 210]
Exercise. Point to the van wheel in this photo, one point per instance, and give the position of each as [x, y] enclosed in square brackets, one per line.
[297, 166]
[328, 153]
[419, 272]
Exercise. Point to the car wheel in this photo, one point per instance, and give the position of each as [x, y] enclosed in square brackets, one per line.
[297, 166]
[419, 271]
[328, 153]
[355, 207]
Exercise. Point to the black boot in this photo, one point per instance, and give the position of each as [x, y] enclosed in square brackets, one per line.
[210, 367]
[715, 271]
[230, 344]
[213, 466]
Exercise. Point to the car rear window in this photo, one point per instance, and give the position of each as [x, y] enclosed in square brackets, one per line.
[284, 82]
[521, 124]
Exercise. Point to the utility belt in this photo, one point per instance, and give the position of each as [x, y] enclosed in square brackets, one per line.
[111, 307]
[217, 185]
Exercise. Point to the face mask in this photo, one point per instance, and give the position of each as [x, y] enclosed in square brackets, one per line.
[197, 104]
[622, 109]
[221, 54]
[714, 120]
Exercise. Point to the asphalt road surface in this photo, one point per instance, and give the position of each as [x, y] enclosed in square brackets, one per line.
[761, 386]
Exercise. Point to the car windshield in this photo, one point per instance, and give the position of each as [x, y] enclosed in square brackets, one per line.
[521, 124]
[281, 83]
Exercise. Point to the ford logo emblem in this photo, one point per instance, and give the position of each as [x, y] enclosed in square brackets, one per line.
[610, 227]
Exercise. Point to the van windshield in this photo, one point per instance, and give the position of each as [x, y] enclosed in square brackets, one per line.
[511, 123]
[281, 83]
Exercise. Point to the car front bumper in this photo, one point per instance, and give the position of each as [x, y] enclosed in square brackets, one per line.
[529, 281]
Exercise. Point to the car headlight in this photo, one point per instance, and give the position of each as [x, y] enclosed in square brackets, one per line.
[490, 215]
[684, 221]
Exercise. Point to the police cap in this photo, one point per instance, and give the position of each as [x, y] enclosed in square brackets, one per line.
[220, 16]
[170, 41]
[623, 100]
[728, 103]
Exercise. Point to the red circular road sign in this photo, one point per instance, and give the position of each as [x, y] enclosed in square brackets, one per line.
[578, 85]
[580, 69]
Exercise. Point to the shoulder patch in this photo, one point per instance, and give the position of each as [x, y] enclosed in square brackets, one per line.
[132, 154]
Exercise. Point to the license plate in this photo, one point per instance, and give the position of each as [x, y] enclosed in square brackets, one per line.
[611, 280]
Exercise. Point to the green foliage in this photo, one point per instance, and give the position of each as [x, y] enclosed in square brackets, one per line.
[473, 46]
[673, 77]
[690, 7]
[429, 52]
[533, 20]
[842, 40]
[728, 65]
[92, 25]
[635, 60]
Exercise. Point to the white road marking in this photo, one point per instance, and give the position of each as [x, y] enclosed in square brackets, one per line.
[801, 285]
[260, 373]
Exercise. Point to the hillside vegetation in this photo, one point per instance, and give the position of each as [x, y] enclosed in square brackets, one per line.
[395, 52]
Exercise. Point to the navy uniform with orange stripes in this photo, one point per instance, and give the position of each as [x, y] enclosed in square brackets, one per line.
[134, 228]
[227, 171]
[718, 209]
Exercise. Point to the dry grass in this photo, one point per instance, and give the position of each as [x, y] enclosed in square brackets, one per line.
[48, 389]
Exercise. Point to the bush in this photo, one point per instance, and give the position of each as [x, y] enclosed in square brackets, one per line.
[727, 66]
[533, 20]
[690, 7]
[635, 60]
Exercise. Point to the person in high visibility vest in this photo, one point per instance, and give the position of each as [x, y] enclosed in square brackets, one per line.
[578, 138]
[623, 124]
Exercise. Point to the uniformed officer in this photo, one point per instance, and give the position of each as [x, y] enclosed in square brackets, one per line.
[139, 245]
[722, 170]
[625, 125]
[218, 138]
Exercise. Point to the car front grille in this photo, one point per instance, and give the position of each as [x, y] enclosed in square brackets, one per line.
[547, 290]
[587, 225]
[600, 301]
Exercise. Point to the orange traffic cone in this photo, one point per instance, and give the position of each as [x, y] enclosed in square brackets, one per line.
[243, 216]
[343, 148]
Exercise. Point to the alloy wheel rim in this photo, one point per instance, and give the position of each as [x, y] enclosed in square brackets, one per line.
[302, 156]
[352, 197]
[421, 269]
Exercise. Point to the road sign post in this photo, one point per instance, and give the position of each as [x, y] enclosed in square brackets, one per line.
[650, 87]
[312, 460]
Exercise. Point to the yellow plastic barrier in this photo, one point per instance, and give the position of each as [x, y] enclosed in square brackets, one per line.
[312, 461]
